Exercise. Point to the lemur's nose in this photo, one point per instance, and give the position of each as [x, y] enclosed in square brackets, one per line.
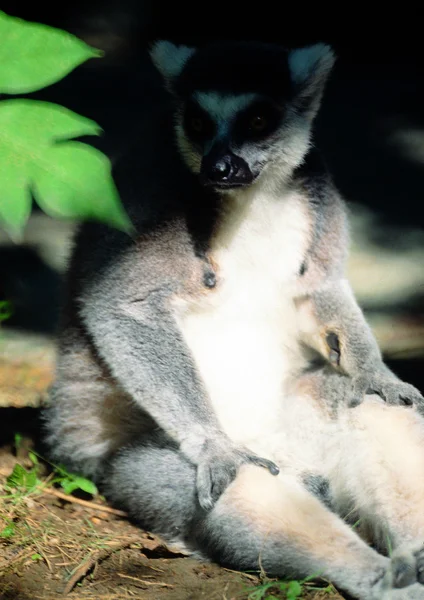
[221, 169]
[224, 169]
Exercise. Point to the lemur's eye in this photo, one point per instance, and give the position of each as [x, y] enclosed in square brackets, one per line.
[258, 123]
[197, 124]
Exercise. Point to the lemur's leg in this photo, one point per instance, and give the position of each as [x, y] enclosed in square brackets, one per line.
[383, 475]
[376, 474]
[87, 416]
[259, 520]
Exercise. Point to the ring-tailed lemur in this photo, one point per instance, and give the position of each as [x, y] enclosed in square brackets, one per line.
[215, 373]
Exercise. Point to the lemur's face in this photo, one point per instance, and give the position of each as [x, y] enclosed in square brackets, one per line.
[228, 139]
[243, 107]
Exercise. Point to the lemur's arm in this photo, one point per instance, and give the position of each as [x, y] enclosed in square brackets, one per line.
[126, 305]
[332, 322]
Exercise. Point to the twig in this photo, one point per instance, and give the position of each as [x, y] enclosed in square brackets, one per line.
[243, 574]
[37, 545]
[86, 503]
[91, 562]
[144, 582]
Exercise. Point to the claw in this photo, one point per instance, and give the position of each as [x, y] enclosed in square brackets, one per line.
[391, 390]
[219, 468]
[266, 464]
[273, 469]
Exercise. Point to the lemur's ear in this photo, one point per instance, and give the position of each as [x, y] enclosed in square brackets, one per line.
[170, 59]
[310, 68]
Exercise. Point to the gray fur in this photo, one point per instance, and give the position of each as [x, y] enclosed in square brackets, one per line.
[169, 59]
[327, 292]
[132, 408]
[319, 486]
[137, 338]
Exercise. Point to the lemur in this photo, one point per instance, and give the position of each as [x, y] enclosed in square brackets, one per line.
[215, 375]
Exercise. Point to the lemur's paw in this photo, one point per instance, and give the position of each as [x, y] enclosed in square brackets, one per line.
[391, 389]
[218, 466]
[407, 566]
[419, 555]
[403, 568]
[403, 577]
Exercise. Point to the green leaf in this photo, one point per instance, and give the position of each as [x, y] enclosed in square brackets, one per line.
[31, 479]
[33, 55]
[78, 183]
[28, 124]
[6, 311]
[17, 477]
[294, 590]
[68, 179]
[18, 440]
[21, 478]
[33, 458]
[36, 557]
[68, 486]
[73, 483]
[259, 592]
[86, 485]
[8, 531]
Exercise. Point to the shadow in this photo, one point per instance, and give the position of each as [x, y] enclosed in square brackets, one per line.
[14, 592]
[25, 421]
[32, 287]
[365, 109]
[410, 370]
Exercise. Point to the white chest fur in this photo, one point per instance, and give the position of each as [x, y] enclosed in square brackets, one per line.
[243, 335]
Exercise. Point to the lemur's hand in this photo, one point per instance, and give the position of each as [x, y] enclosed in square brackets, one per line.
[391, 389]
[217, 466]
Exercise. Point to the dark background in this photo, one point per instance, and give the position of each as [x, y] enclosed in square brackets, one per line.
[376, 91]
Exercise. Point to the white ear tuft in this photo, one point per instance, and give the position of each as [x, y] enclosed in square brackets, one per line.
[310, 68]
[170, 59]
[311, 62]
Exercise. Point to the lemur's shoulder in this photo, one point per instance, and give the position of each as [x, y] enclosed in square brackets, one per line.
[314, 178]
